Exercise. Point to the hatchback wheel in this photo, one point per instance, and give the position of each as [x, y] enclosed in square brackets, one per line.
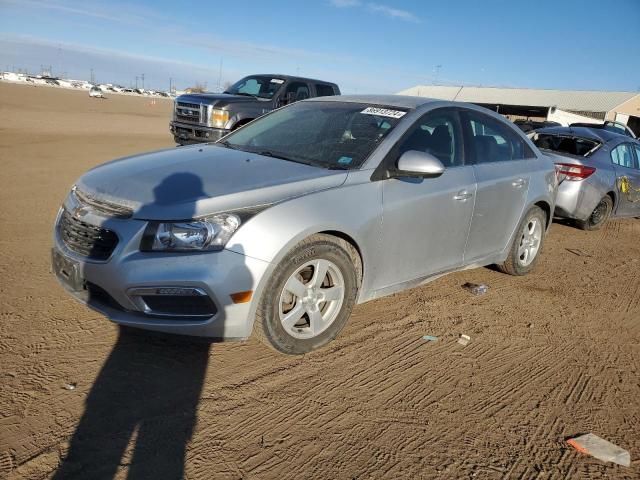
[309, 297]
[599, 216]
[527, 243]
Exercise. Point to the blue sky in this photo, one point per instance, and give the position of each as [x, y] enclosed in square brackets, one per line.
[382, 46]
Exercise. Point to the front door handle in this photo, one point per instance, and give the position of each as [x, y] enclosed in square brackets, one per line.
[462, 195]
[519, 183]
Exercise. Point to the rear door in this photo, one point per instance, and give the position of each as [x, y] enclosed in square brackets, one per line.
[626, 159]
[426, 220]
[503, 175]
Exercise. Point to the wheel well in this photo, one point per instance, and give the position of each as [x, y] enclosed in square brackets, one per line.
[242, 122]
[546, 208]
[613, 198]
[354, 246]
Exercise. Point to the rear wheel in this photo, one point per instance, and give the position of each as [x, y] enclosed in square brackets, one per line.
[309, 297]
[527, 243]
[599, 216]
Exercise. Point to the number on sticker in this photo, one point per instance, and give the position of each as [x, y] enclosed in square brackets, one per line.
[383, 112]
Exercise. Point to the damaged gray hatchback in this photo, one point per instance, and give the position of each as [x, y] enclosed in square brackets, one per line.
[285, 224]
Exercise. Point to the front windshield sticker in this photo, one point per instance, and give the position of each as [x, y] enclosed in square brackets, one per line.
[384, 112]
[345, 160]
[277, 80]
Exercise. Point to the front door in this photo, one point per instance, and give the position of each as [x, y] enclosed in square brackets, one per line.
[626, 159]
[426, 220]
[503, 174]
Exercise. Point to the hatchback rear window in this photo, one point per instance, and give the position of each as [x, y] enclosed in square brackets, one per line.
[578, 146]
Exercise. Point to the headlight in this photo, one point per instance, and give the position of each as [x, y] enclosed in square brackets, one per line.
[210, 233]
[218, 118]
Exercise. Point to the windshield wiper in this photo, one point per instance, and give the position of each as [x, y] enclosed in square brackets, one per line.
[246, 94]
[226, 144]
[272, 154]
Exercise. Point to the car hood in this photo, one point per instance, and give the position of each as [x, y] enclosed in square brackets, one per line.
[187, 182]
[216, 99]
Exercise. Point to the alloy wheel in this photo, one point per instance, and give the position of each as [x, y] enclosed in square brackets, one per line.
[311, 299]
[529, 242]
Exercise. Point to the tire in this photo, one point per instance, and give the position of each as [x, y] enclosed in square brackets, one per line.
[178, 142]
[290, 322]
[599, 216]
[531, 228]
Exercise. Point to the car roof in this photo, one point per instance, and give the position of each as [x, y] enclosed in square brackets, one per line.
[598, 134]
[399, 101]
[290, 77]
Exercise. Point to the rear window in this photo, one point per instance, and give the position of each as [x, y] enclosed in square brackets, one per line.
[324, 90]
[578, 146]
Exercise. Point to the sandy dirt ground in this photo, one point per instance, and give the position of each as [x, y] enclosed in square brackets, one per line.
[552, 355]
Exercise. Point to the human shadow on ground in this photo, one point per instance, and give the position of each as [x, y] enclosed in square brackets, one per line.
[147, 392]
[149, 387]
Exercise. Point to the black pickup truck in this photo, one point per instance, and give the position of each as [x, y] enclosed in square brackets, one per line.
[207, 117]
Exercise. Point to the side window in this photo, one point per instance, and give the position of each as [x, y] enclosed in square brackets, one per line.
[622, 155]
[490, 141]
[299, 90]
[637, 149]
[324, 90]
[437, 133]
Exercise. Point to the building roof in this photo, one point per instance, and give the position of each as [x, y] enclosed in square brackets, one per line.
[399, 101]
[573, 100]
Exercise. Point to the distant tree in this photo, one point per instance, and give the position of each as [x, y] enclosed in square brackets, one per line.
[198, 88]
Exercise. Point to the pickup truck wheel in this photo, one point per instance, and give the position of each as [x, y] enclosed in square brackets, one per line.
[178, 142]
[599, 216]
[527, 243]
[309, 297]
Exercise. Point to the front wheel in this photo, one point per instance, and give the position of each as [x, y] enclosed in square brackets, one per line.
[309, 297]
[527, 243]
[599, 216]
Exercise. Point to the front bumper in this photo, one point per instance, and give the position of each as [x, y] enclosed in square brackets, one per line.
[111, 287]
[577, 199]
[186, 133]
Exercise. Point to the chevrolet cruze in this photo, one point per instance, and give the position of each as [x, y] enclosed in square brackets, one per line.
[281, 227]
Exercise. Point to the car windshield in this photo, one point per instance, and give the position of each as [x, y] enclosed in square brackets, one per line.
[332, 135]
[578, 146]
[256, 86]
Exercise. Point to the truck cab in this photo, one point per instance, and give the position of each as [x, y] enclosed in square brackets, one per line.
[207, 117]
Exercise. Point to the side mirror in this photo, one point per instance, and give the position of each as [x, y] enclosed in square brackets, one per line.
[413, 163]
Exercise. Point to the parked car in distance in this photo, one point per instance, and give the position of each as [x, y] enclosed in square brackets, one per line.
[615, 127]
[285, 224]
[207, 117]
[599, 173]
[530, 125]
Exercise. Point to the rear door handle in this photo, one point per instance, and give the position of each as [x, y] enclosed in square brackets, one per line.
[462, 195]
[518, 183]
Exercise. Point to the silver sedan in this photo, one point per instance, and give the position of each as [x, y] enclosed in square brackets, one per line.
[284, 225]
[599, 173]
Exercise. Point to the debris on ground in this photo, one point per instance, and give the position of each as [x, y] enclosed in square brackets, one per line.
[70, 386]
[476, 288]
[430, 338]
[578, 252]
[464, 339]
[601, 449]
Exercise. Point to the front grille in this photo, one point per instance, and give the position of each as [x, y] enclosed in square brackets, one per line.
[188, 112]
[195, 106]
[180, 306]
[93, 242]
[103, 207]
